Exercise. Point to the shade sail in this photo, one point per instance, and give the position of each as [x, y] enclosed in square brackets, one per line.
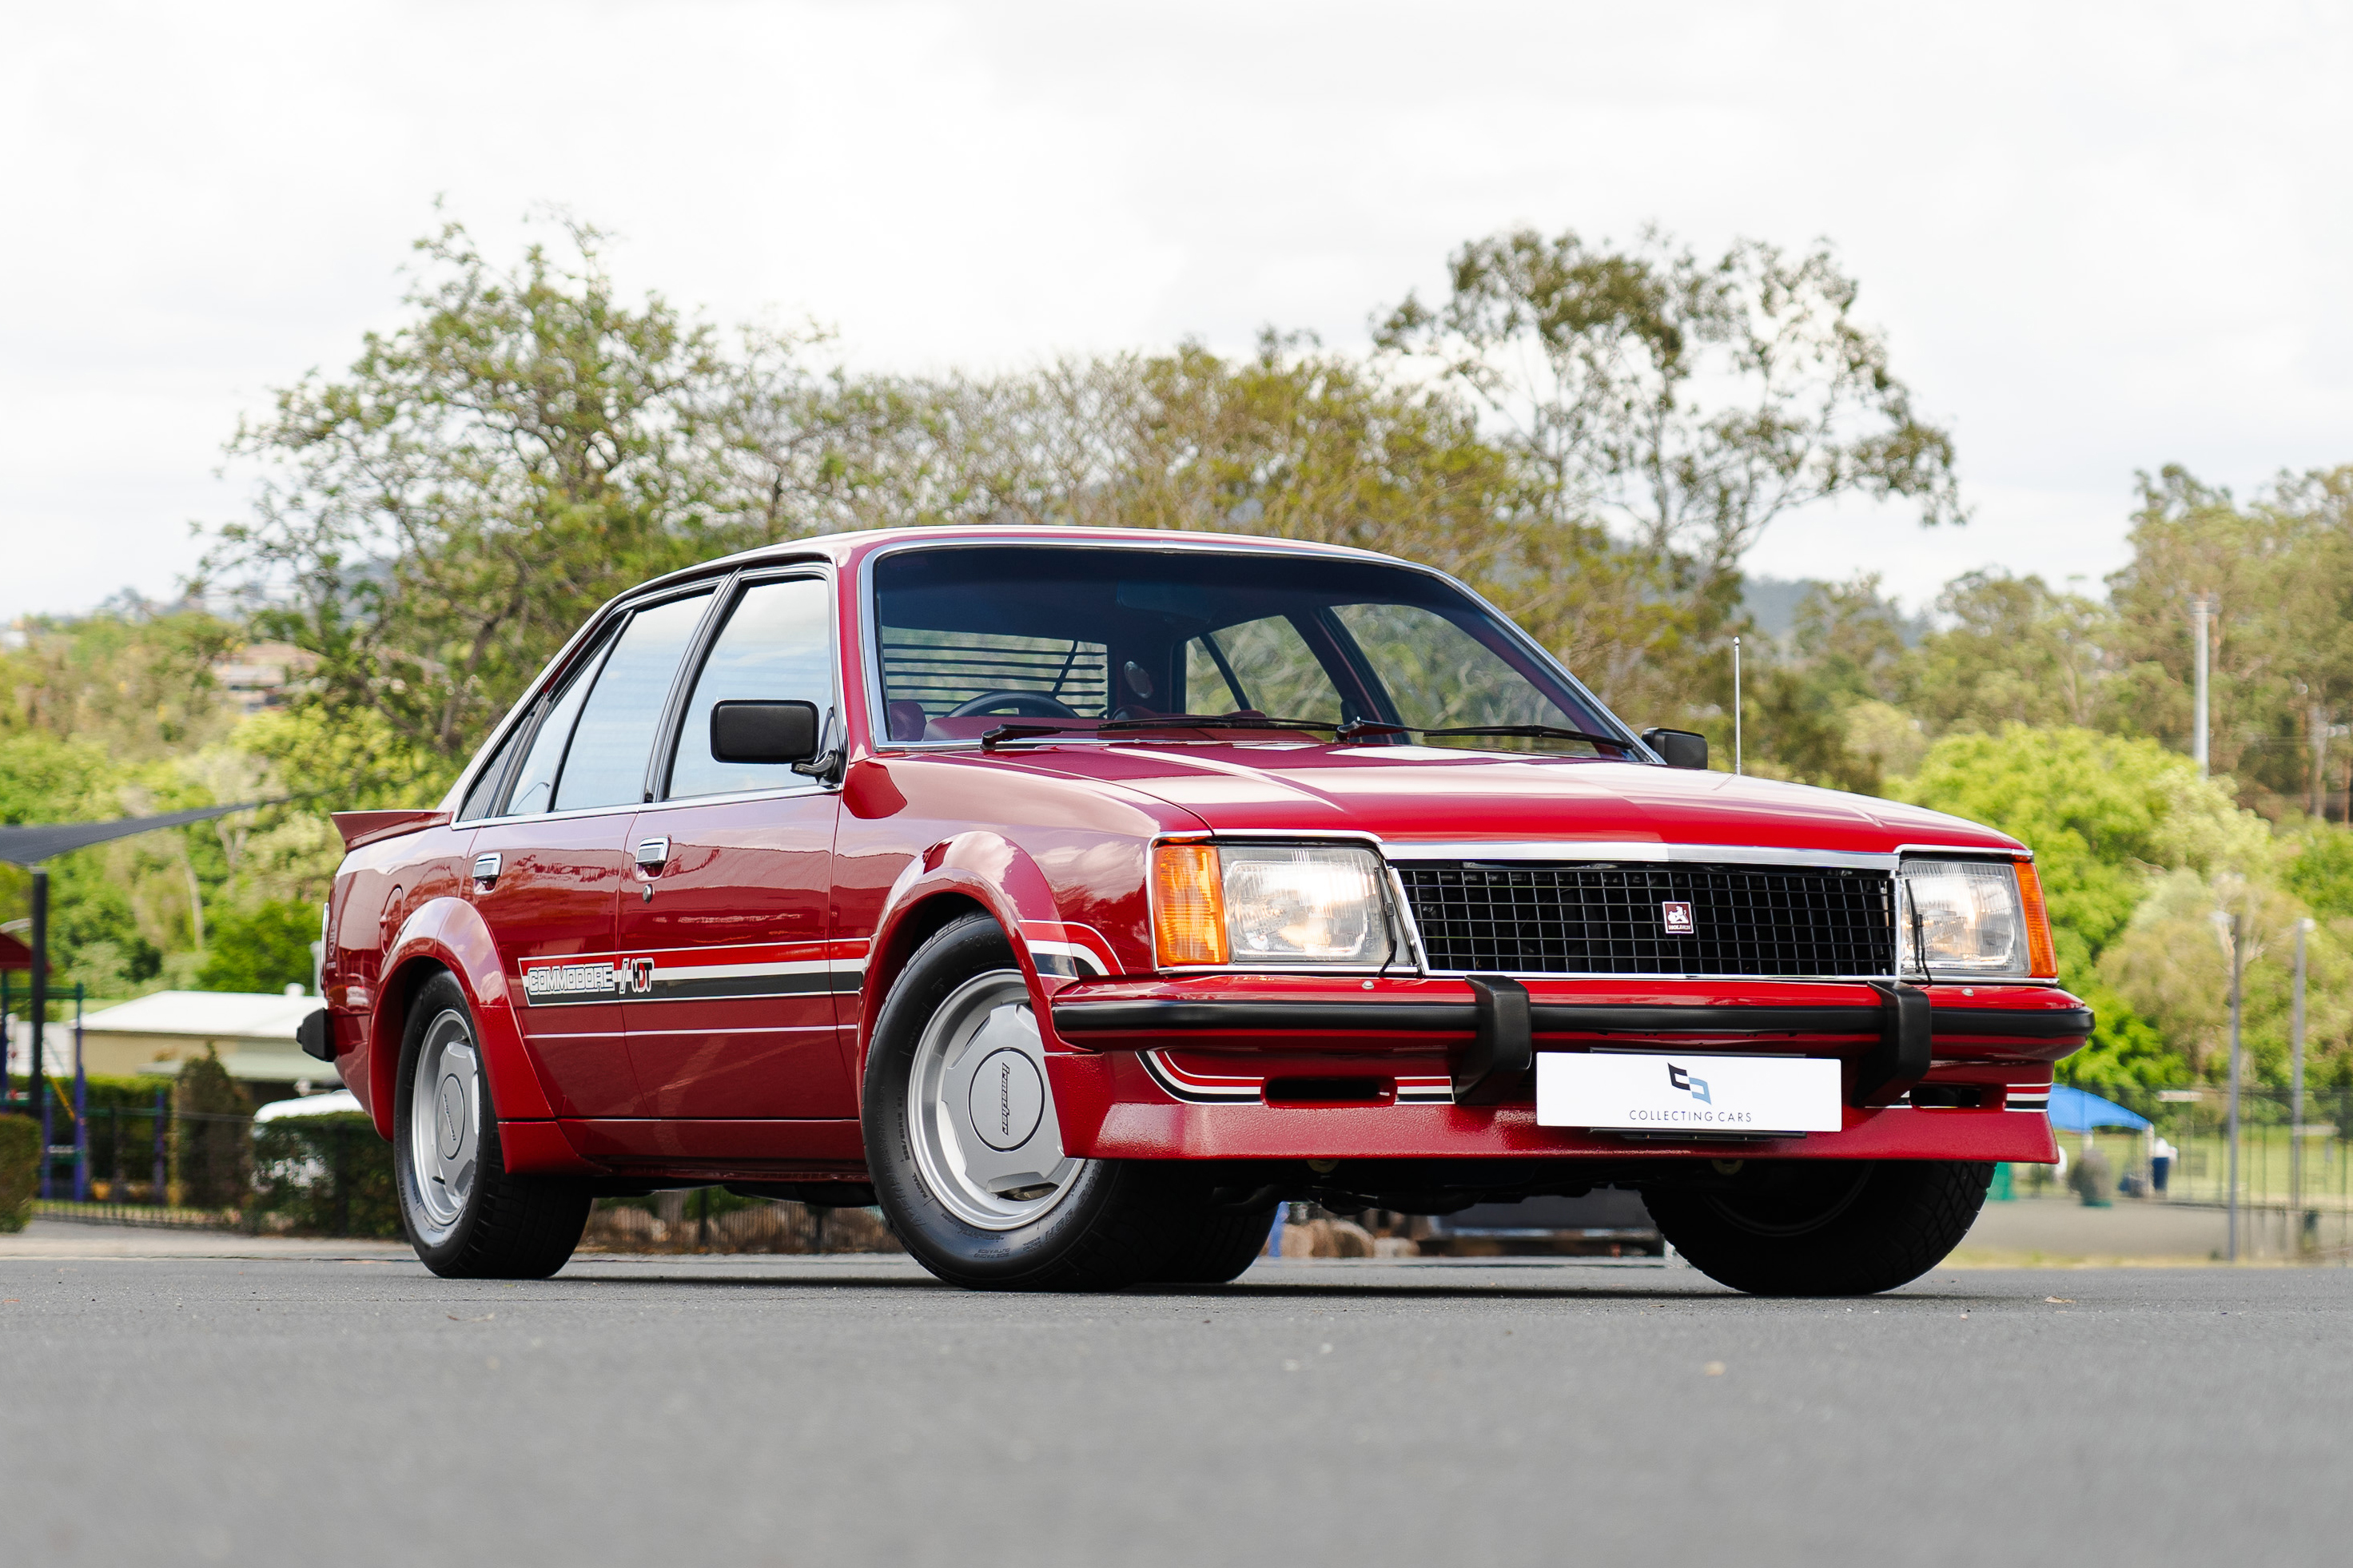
[29, 846]
[2073, 1110]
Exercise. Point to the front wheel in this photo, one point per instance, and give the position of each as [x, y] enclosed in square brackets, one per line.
[962, 1140]
[1823, 1228]
[467, 1218]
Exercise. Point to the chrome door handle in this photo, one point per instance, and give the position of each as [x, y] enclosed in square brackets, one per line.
[485, 868]
[653, 853]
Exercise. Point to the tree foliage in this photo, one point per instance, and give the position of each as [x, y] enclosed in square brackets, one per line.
[1678, 404]
[436, 521]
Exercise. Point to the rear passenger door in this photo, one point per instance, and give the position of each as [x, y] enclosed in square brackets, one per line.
[729, 894]
[547, 867]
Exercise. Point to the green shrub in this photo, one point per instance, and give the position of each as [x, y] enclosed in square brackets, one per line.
[20, 1166]
[212, 1144]
[265, 948]
[324, 1175]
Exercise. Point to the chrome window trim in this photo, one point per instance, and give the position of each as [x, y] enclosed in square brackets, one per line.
[871, 629]
[664, 760]
[721, 587]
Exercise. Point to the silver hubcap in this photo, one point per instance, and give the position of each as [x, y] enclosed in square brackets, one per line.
[445, 1122]
[984, 1134]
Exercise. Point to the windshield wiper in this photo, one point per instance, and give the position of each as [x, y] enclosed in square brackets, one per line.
[1366, 728]
[1344, 735]
[1166, 722]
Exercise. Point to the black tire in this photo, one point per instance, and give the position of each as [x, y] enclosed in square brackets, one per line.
[1111, 1226]
[1826, 1227]
[504, 1226]
[1214, 1245]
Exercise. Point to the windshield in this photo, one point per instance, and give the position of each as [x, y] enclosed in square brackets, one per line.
[974, 637]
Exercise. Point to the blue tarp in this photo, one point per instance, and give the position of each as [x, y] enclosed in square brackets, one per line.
[2073, 1110]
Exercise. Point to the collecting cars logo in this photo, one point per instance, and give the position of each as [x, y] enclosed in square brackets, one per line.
[588, 982]
[1677, 918]
[1691, 1113]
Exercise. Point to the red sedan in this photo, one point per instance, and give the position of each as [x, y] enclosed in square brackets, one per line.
[1080, 895]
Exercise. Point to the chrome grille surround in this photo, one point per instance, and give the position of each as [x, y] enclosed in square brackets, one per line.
[1791, 917]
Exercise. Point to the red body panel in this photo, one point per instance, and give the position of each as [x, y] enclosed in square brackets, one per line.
[747, 884]
[823, 895]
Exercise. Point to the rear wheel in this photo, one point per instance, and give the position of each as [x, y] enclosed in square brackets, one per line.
[962, 1140]
[467, 1218]
[1824, 1227]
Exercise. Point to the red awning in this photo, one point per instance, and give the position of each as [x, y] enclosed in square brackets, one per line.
[14, 954]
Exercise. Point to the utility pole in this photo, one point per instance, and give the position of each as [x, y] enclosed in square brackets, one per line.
[39, 1002]
[2232, 931]
[2202, 605]
[2295, 1091]
[1736, 707]
[2237, 931]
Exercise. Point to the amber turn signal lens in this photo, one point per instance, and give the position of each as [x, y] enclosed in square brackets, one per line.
[1188, 905]
[2042, 959]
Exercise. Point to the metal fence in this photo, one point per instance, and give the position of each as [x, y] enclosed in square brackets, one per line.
[2294, 1186]
[158, 1166]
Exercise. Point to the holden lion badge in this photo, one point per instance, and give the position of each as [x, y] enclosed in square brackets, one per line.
[1676, 918]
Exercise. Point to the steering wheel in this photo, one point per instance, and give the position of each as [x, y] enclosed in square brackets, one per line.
[1019, 704]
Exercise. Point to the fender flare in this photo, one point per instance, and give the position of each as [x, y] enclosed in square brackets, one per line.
[983, 868]
[449, 933]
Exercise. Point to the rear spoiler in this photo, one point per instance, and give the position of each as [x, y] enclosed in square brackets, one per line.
[360, 827]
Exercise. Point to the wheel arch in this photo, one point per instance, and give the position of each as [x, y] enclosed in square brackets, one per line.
[448, 936]
[974, 873]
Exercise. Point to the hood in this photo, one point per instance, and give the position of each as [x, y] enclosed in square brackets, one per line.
[1403, 794]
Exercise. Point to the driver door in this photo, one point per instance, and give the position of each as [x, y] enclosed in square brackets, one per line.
[728, 894]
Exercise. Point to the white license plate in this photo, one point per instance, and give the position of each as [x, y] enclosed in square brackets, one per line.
[1699, 1093]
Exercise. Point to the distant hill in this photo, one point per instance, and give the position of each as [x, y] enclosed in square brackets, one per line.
[1772, 603]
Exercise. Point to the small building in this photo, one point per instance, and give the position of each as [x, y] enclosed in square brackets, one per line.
[252, 1034]
[261, 675]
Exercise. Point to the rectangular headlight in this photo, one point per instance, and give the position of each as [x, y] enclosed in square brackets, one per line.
[1282, 904]
[1968, 918]
[1305, 904]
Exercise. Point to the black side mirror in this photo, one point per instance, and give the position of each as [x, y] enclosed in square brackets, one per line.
[763, 732]
[1678, 748]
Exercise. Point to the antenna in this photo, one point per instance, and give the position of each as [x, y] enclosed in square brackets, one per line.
[1736, 706]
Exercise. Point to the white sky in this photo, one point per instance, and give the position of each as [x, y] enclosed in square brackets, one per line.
[2099, 238]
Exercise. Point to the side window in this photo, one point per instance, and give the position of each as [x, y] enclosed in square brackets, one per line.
[777, 646]
[1263, 665]
[485, 792]
[535, 784]
[615, 739]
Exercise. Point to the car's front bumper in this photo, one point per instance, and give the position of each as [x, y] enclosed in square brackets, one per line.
[1228, 1067]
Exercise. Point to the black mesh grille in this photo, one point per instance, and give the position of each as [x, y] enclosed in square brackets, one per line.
[1610, 919]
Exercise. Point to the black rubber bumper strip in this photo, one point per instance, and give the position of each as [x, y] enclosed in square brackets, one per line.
[316, 1036]
[1168, 1018]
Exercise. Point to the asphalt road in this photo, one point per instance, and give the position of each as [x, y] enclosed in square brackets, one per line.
[355, 1410]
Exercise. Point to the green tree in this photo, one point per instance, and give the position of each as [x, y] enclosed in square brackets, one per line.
[2099, 812]
[264, 948]
[2012, 651]
[134, 680]
[2280, 572]
[1680, 405]
[436, 522]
